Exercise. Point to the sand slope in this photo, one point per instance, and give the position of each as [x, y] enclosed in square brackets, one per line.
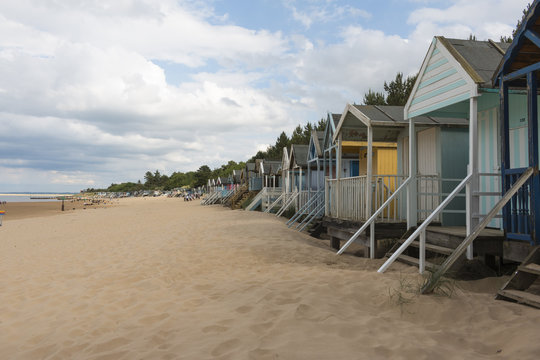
[164, 279]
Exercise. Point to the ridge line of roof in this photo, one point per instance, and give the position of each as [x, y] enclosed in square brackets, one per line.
[460, 59]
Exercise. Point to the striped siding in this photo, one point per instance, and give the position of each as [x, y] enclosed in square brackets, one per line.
[489, 150]
[440, 85]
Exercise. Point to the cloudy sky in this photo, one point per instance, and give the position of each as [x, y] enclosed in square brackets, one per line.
[100, 91]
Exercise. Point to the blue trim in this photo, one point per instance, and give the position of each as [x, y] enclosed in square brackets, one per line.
[436, 65]
[437, 78]
[532, 102]
[440, 105]
[515, 171]
[522, 72]
[513, 50]
[439, 91]
[522, 237]
[531, 35]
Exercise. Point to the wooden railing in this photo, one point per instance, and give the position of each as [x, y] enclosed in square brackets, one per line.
[346, 198]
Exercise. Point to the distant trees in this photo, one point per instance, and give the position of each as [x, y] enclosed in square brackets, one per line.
[396, 92]
[509, 39]
[300, 135]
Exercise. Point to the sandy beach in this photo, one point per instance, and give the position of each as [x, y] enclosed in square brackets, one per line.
[160, 278]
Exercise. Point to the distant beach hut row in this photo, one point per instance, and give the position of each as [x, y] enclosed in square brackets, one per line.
[450, 177]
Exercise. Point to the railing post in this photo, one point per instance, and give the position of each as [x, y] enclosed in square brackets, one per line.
[412, 199]
[326, 197]
[422, 254]
[369, 173]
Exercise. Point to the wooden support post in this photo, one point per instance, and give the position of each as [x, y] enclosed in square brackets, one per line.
[369, 173]
[505, 153]
[422, 252]
[335, 242]
[338, 174]
[372, 241]
[532, 110]
[473, 200]
[412, 199]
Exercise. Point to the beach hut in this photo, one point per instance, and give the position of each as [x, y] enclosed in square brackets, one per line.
[330, 146]
[517, 80]
[315, 166]
[372, 162]
[455, 82]
[313, 208]
[298, 173]
[267, 183]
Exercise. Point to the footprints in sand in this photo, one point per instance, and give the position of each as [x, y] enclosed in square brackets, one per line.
[214, 329]
[153, 319]
[244, 309]
[226, 347]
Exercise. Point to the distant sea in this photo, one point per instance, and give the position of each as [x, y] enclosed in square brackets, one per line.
[26, 197]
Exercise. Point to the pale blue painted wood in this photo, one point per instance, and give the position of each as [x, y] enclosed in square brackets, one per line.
[440, 105]
[436, 65]
[439, 91]
[437, 78]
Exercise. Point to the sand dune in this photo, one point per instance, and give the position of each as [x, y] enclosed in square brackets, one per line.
[164, 279]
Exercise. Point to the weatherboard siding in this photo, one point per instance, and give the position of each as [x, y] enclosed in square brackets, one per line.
[440, 85]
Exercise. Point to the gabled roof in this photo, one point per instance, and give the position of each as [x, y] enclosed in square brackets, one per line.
[453, 71]
[478, 58]
[270, 167]
[316, 142]
[298, 155]
[524, 50]
[285, 159]
[250, 166]
[332, 121]
[386, 121]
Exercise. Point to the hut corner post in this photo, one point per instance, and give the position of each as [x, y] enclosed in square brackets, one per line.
[472, 199]
[338, 174]
[412, 199]
[369, 193]
[532, 111]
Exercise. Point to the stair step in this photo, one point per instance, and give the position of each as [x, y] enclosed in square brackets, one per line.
[433, 248]
[413, 261]
[530, 268]
[521, 297]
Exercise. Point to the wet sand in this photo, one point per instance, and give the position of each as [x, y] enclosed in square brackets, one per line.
[24, 210]
[160, 278]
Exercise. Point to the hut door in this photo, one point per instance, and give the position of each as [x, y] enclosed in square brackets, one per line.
[355, 167]
[428, 178]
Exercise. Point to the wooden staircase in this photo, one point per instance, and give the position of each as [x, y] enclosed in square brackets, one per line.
[524, 286]
[240, 195]
[441, 243]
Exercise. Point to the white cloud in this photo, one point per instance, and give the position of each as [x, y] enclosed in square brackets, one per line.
[487, 19]
[84, 103]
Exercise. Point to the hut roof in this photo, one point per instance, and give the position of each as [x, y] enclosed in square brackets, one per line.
[335, 119]
[386, 121]
[479, 59]
[299, 155]
[271, 167]
[250, 166]
[317, 138]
